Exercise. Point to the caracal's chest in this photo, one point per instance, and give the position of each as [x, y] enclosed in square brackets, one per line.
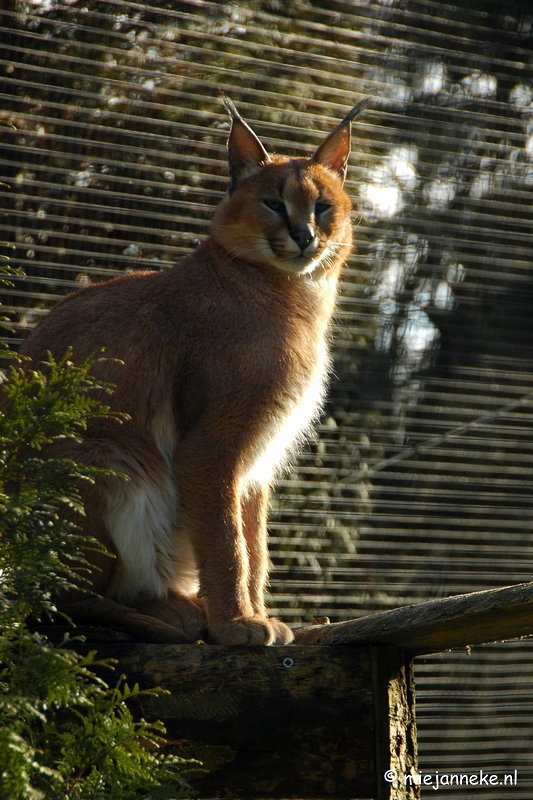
[290, 417]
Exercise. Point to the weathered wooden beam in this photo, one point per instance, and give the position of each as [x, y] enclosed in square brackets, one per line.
[282, 722]
[394, 724]
[436, 625]
[302, 722]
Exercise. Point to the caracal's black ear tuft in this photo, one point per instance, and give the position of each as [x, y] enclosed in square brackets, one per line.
[334, 151]
[245, 151]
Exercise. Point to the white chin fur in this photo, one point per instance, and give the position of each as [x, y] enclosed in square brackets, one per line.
[303, 265]
[298, 266]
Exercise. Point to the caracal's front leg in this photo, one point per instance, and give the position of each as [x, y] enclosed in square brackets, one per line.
[254, 510]
[210, 510]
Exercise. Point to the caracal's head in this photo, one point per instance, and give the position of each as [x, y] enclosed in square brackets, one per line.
[289, 213]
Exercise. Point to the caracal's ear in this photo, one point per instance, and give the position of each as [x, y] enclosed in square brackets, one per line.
[245, 151]
[334, 151]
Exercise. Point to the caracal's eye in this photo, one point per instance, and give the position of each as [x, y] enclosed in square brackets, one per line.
[275, 205]
[321, 206]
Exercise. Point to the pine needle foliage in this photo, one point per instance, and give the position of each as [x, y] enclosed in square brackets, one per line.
[39, 547]
[65, 734]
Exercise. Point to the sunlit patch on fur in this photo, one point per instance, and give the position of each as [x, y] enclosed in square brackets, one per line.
[286, 431]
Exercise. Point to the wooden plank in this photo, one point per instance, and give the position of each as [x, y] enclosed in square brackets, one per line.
[436, 625]
[395, 724]
[282, 722]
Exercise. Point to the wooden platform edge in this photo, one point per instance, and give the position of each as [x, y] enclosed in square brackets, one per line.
[433, 626]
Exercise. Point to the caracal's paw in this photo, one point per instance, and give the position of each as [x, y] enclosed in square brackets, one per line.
[282, 632]
[182, 613]
[252, 631]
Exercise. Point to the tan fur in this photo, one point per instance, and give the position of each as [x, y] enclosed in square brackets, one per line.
[225, 360]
